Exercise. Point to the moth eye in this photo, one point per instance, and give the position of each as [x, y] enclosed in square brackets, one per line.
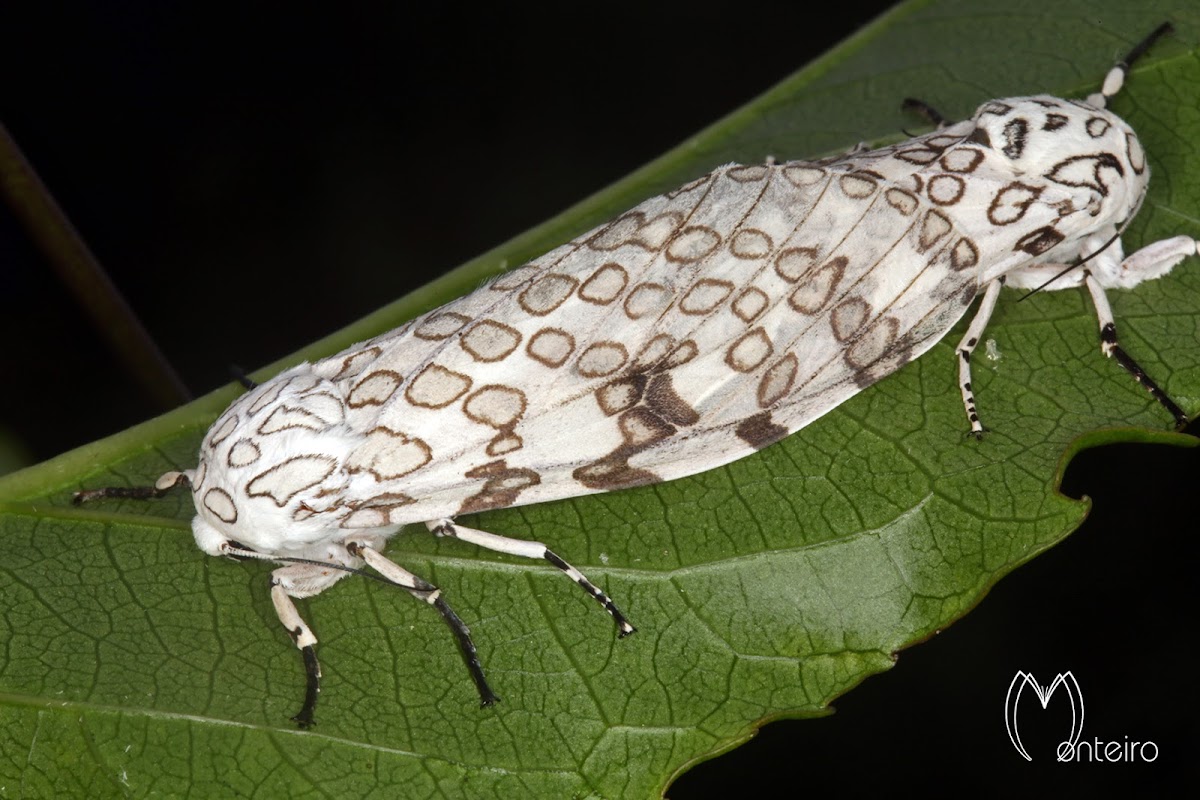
[980, 136]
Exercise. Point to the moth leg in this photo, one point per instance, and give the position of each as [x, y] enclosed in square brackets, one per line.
[1112, 349]
[967, 346]
[424, 590]
[925, 110]
[527, 549]
[164, 484]
[302, 580]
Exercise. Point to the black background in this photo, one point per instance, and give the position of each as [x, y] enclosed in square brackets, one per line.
[254, 179]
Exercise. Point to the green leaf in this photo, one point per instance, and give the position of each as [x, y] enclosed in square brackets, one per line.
[133, 664]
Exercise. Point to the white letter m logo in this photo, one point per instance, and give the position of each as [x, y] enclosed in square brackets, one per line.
[1013, 700]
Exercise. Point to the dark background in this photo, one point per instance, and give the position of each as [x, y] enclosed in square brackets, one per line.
[254, 179]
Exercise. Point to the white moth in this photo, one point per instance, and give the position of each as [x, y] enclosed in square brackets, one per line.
[693, 330]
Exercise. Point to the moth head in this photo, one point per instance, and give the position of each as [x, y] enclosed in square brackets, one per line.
[271, 469]
[1090, 152]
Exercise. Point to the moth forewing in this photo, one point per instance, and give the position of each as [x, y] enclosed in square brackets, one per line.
[697, 328]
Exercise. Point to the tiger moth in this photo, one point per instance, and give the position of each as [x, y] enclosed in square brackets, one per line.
[695, 329]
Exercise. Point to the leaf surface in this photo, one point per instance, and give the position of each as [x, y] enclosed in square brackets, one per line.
[133, 664]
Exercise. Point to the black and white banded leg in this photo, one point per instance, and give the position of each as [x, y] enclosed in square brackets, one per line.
[527, 549]
[967, 346]
[304, 578]
[424, 590]
[164, 484]
[1112, 348]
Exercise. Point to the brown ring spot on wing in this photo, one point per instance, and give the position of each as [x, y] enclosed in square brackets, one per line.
[793, 263]
[374, 389]
[436, 387]
[904, 202]
[605, 285]
[874, 343]
[751, 243]
[551, 346]
[934, 227]
[490, 341]
[288, 478]
[752, 173]
[386, 454]
[749, 304]
[221, 505]
[705, 295]
[803, 175]
[647, 299]
[751, 349]
[693, 243]
[946, 190]
[964, 254]
[962, 159]
[848, 317]
[814, 293]
[602, 358]
[857, 186]
[504, 443]
[441, 326]
[777, 380]
[496, 406]
[547, 293]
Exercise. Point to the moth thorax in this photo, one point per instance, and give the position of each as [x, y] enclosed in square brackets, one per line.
[272, 462]
[1091, 153]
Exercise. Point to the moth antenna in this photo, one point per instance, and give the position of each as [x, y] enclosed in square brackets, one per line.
[1070, 267]
[241, 377]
